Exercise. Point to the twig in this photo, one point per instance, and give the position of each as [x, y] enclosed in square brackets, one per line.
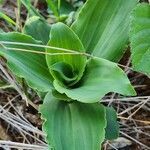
[22, 145]
[139, 108]
[134, 140]
[16, 121]
[36, 45]
[128, 99]
[141, 121]
[14, 84]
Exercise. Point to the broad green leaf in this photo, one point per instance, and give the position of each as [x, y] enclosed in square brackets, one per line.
[103, 25]
[112, 129]
[100, 78]
[38, 29]
[67, 69]
[73, 126]
[140, 38]
[28, 65]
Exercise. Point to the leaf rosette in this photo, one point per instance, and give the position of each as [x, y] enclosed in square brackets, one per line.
[74, 80]
[79, 77]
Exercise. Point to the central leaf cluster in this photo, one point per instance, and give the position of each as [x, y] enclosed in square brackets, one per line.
[68, 62]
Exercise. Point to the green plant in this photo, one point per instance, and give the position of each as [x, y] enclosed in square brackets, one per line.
[76, 68]
[59, 9]
[140, 38]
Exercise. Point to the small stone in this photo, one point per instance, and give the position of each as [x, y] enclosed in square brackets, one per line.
[120, 143]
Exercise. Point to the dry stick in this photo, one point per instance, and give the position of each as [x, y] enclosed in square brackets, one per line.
[24, 128]
[22, 145]
[131, 99]
[111, 99]
[35, 3]
[137, 130]
[12, 82]
[107, 143]
[17, 19]
[9, 102]
[17, 121]
[129, 109]
[127, 65]
[73, 52]
[141, 127]
[24, 136]
[139, 86]
[112, 146]
[127, 71]
[141, 121]
[70, 52]
[10, 121]
[142, 103]
[36, 45]
[139, 108]
[44, 53]
[133, 79]
[43, 46]
[134, 122]
[134, 140]
[18, 112]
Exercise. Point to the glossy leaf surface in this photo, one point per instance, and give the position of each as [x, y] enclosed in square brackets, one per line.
[103, 27]
[73, 126]
[24, 64]
[140, 38]
[100, 78]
